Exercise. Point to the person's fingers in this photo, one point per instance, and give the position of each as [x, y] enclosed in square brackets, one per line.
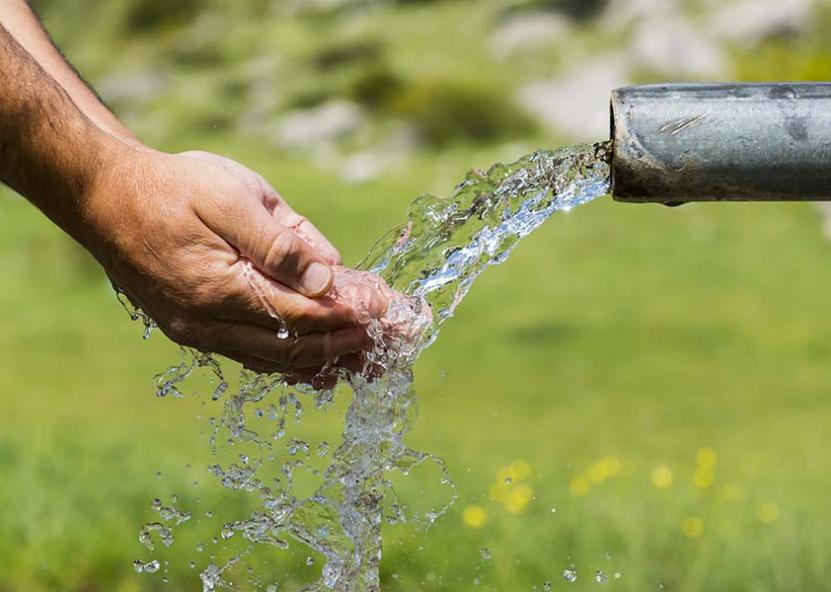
[306, 230]
[278, 252]
[250, 297]
[314, 377]
[255, 364]
[238, 340]
[258, 185]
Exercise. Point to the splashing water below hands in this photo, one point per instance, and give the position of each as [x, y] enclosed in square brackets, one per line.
[429, 265]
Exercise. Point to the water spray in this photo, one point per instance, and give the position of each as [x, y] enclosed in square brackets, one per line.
[678, 143]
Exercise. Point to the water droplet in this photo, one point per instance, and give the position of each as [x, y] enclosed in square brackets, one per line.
[227, 533]
[295, 447]
[283, 332]
[570, 574]
[546, 587]
[485, 553]
[149, 567]
[618, 575]
[600, 577]
[553, 510]
[310, 560]
[508, 480]
[323, 449]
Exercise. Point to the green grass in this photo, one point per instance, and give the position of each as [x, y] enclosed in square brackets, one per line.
[639, 332]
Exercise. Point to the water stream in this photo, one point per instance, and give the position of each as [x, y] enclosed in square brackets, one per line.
[428, 264]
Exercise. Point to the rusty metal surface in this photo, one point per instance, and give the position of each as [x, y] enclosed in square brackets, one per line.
[722, 142]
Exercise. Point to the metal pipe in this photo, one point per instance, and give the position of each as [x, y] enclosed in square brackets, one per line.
[676, 143]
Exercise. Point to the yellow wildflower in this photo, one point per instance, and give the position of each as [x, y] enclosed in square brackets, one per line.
[519, 498]
[474, 516]
[703, 478]
[519, 469]
[579, 486]
[768, 513]
[662, 477]
[692, 527]
[597, 472]
[706, 458]
[612, 465]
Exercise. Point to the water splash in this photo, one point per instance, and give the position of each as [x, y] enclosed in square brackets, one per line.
[426, 267]
[136, 313]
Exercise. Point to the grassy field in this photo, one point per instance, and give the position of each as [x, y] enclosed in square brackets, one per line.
[617, 343]
[655, 383]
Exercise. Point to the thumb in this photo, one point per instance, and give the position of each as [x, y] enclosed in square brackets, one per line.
[273, 248]
[281, 254]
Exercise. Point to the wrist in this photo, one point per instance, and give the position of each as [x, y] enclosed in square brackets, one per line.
[105, 199]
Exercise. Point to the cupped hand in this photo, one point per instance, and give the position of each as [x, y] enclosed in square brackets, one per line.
[211, 252]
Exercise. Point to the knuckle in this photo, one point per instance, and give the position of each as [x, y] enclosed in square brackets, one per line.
[294, 356]
[283, 252]
[180, 329]
[298, 221]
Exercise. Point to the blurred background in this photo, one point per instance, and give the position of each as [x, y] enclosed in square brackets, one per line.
[641, 391]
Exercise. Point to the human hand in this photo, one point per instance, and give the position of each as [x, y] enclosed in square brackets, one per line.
[397, 335]
[213, 254]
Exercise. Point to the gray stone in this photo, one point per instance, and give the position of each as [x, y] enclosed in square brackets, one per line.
[671, 45]
[527, 30]
[364, 167]
[577, 103]
[130, 87]
[307, 128]
[753, 21]
[620, 14]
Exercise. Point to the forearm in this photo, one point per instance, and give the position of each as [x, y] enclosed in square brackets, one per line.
[23, 25]
[49, 151]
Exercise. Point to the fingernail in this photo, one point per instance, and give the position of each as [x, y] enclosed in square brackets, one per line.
[317, 279]
[380, 305]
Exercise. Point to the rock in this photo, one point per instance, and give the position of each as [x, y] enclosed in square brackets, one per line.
[620, 14]
[577, 103]
[125, 88]
[672, 46]
[306, 128]
[753, 21]
[394, 148]
[364, 167]
[527, 30]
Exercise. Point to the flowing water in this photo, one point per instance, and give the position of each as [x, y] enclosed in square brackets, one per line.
[429, 264]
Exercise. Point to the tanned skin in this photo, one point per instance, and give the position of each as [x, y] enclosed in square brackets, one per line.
[175, 232]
